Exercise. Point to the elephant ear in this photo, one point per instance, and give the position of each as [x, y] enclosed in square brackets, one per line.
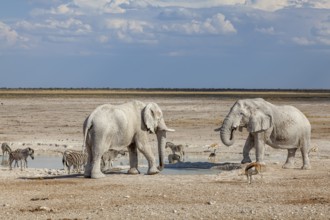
[149, 117]
[259, 121]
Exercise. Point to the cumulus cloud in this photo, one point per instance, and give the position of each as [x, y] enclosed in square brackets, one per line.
[321, 4]
[268, 5]
[217, 24]
[70, 25]
[302, 41]
[134, 26]
[128, 30]
[321, 31]
[7, 35]
[102, 6]
[194, 4]
[103, 39]
[176, 14]
[269, 30]
[68, 9]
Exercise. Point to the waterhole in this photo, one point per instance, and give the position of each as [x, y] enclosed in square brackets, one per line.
[192, 164]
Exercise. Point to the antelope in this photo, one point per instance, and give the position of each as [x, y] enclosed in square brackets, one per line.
[252, 169]
[212, 156]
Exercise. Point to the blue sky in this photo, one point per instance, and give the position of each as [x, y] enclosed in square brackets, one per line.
[165, 43]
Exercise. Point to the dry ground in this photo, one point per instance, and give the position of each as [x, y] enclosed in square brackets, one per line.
[50, 123]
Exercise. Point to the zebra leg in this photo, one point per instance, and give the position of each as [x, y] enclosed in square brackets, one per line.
[16, 163]
[10, 163]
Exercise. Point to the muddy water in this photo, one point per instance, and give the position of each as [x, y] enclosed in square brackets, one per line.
[193, 163]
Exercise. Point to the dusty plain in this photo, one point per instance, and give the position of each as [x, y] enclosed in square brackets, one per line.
[50, 121]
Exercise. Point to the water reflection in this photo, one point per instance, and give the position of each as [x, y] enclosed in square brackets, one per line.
[194, 163]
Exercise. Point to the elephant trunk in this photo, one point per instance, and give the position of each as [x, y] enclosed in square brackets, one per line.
[227, 132]
[161, 138]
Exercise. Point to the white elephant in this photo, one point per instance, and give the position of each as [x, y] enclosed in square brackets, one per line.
[282, 127]
[124, 126]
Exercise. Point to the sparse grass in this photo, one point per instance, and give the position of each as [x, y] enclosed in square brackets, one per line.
[167, 92]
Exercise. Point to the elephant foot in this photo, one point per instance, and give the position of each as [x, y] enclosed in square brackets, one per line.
[288, 166]
[87, 174]
[153, 171]
[133, 171]
[246, 160]
[97, 175]
[88, 171]
[306, 167]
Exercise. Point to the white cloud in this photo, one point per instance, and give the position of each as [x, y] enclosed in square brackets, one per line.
[103, 39]
[194, 4]
[133, 26]
[269, 30]
[217, 24]
[114, 6]
[130, 31]
[7, 35]
[72, 25]
[62, 9]
[175, 53]
[321, 32]
[303, 41]
[101, 6]
[176, 14]
[321, 4]
[268, 5]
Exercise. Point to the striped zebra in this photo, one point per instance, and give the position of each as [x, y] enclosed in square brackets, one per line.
[5, 148]
[108, 157]
[20, 155]
[76, 159]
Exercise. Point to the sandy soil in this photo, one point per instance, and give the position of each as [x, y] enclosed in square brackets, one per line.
[51, 124]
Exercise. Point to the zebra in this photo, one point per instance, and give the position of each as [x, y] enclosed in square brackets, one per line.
[108, 157]
[20, 155]
[175, 148]
[5, 148]
[174, 158]
[76, 159]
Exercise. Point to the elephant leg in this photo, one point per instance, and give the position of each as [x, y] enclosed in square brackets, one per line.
[146, 151]
[289, 164]
[98, 149]
[260, 147]
[304, 153]
[88, 166]
[249, 144]
[133, 159]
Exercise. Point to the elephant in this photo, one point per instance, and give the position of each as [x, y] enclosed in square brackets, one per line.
[281, 127]
[124, 126]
